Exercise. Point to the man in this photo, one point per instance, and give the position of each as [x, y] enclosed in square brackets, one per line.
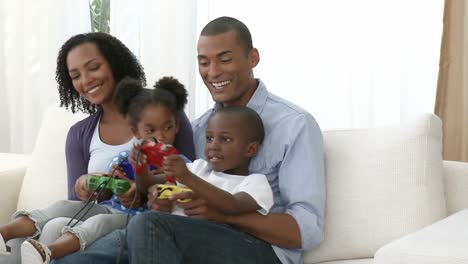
[291, 157]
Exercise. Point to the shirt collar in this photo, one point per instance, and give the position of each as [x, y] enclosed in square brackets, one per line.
[257, 101]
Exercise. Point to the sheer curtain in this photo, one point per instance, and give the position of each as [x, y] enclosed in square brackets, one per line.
[359, 63]
[31, 33]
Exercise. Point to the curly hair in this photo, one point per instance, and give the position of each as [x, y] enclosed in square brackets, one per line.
[121, 60]
[131, 98]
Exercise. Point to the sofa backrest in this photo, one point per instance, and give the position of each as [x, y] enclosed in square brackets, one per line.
[382, 183]
[45, 180]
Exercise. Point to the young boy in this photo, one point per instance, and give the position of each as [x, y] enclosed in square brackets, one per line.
[233, 137]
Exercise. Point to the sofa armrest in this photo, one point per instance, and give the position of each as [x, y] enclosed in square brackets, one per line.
[442, 242]
[12, 170]
[456, 185]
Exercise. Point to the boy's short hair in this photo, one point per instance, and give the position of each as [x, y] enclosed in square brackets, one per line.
[254, 128]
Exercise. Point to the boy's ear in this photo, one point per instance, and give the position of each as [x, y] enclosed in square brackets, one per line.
[252, 149]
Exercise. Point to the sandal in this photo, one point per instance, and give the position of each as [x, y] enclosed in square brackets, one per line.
[34, 252]
[4, 249]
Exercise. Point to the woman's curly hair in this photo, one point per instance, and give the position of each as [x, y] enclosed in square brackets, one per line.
[121, 60]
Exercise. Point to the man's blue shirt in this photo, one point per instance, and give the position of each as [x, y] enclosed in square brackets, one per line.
[292, 158]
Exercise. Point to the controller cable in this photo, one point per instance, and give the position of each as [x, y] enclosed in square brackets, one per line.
[92, 199]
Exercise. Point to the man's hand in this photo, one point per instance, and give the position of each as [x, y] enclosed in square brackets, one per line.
[161, 205]
[198, 207]
[174, 165]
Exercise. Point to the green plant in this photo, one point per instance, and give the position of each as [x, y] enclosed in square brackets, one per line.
[100, 15]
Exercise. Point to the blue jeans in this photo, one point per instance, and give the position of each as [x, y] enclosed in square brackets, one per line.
[164, 238]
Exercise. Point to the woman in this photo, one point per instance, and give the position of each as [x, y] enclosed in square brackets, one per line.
[89, 66]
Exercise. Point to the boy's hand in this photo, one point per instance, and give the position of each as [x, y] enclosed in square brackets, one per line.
[174, 165]
[161, 205]
[198, 207]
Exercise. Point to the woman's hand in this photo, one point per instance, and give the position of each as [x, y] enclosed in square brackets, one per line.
[81, 189]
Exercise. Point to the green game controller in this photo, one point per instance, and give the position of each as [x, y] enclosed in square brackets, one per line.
[166, 190]
[117, 186]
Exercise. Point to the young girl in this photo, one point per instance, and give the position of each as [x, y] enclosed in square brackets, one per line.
[151, 113]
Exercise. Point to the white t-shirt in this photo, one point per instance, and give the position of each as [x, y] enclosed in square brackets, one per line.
[255, 185]
[101, 153]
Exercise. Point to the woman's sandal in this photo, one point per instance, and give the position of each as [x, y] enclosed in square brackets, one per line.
[34, 252]
[4, 249]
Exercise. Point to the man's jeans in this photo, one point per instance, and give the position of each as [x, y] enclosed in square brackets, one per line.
[164, 238]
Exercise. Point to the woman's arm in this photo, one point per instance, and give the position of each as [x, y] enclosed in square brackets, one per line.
[76, 163]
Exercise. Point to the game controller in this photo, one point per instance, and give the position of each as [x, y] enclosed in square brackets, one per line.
[166, 190]
[155, 153]
[121, 160]
[117, 186]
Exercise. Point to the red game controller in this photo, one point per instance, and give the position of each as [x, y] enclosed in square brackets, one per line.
[155, 153]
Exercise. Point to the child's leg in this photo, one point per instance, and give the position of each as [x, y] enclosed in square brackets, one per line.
[21, 226]
[64, 208]
[77, 238]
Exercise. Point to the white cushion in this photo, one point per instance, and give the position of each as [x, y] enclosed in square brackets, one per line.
[443, 242]
[45, 180]
[382, 183]
[12, 169]
[351, 261]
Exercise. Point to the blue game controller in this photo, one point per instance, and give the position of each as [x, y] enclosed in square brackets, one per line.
[122, 160]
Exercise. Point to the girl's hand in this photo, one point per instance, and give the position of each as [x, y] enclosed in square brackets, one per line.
[137, 155]
[126, 199]
[174, 165]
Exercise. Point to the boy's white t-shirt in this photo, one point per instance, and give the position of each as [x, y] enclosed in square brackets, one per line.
[256, 185]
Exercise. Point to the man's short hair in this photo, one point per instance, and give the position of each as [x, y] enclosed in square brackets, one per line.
[226, 24]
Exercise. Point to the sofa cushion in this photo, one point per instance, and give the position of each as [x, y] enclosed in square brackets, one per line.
[45, 180]
[382, 183]
[443, 242]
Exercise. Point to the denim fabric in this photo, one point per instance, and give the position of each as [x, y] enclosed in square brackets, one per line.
[165, 238]
[107, 250]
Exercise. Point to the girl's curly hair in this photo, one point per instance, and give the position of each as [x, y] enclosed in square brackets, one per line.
[121, 60]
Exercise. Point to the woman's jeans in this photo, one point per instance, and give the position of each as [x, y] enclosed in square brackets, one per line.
[154, 237]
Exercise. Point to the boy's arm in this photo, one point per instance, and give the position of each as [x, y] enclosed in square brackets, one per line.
[221, 200]
[227, 203]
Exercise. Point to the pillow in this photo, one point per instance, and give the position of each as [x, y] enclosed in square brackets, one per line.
[45, 180]
[382, 183]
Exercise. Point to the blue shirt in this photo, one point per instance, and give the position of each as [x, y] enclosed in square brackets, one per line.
[292, 158]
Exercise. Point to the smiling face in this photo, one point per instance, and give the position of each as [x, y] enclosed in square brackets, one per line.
[158, 122]
[228, 148]
[227, 68]
[91, 74]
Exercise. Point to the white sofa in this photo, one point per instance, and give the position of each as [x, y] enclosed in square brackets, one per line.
[390, 197]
